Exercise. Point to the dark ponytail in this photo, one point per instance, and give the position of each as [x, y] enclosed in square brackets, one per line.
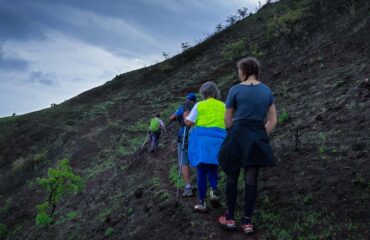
[249, 66]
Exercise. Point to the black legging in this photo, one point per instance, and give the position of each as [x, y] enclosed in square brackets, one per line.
[250, 183]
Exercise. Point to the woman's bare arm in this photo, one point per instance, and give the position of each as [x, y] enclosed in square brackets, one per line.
[271, 119]
[229, 117]
[186, 121]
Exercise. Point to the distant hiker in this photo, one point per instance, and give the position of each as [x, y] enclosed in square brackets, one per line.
[247, 143]
[182, 140]
[155, 126]
[205, 140]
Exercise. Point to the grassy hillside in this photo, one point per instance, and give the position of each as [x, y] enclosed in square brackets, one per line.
[315, 56]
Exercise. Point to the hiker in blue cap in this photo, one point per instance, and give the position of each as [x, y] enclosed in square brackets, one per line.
[182, 140]
[205, 140]
[248, 106]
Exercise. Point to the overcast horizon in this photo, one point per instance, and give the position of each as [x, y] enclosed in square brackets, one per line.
[50, 52]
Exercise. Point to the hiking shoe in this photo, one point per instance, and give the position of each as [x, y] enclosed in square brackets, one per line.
[214, 198]
[247, 228]
[213, 194]
[187, 192]
[201, 207]
[228, 224]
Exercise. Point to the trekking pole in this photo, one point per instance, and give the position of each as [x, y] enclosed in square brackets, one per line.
[145, 141]
[180, 166]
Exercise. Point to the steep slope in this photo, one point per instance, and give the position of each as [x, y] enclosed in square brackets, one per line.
[315, 56]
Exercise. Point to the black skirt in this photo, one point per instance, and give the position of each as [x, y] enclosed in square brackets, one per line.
[246, 145]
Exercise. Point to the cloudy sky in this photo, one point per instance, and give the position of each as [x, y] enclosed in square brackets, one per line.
[51, 51]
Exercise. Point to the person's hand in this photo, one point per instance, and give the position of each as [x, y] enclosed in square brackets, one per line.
[172, 117]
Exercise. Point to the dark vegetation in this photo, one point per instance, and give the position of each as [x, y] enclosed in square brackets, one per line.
[315, 57]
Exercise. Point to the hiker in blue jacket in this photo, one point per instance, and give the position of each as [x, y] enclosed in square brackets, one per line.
[182, 140]
[205, 140]
[248, 106]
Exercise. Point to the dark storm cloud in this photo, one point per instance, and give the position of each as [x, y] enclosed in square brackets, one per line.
[12, 63]
[48, 79]
[27, 20]
[127, 28]
[54, 50]
[17, 21]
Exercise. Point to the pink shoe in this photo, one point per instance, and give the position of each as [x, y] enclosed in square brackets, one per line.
[229, 224]
[247, 228]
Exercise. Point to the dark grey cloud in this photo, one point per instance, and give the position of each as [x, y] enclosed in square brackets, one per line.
[47, 79]
[124, 27]
[54, 50]
[28, 20]
[17, 21]
[12, 63]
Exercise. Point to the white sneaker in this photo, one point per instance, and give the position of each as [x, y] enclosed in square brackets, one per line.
[200, 207]
[187, 192]
[214, 198]
[212, 195]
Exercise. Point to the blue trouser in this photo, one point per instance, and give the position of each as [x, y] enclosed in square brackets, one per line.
[204, 171]
[154, 136]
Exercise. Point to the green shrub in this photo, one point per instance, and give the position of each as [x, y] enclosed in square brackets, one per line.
[283, 117]
[104, 214]
[323, 136]
[285, 25]
[165, 68]
[255, 51]
[39, 157]
[138, 126]
[109, 232]
[130, 211]
[3, 231]
[162, 196]
[234, 51]
[71, 215]
[129, 144]
[174, 176]
[322, 150]
[43, 218]
[322, 140]
[68, 217]
[60, 182]
[6, 207]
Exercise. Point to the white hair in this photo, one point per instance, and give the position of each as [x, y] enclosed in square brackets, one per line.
[209, 89]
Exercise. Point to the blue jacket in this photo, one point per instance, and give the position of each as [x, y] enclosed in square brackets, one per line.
[204, 145]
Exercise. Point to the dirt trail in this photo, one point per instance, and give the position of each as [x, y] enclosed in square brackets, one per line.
[200, 225]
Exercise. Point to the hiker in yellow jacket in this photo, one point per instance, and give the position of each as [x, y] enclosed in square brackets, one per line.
[205, 139]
